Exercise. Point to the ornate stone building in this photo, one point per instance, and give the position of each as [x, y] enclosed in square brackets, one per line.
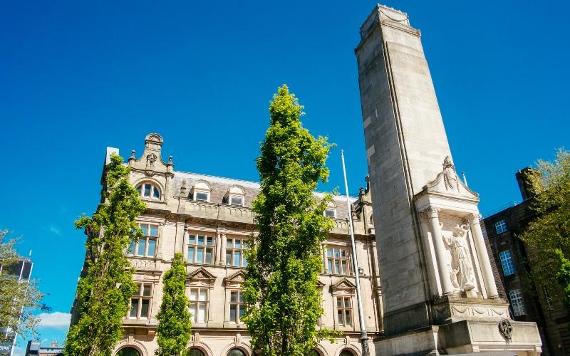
[209, 219]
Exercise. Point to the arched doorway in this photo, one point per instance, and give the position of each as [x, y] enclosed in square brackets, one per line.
[128, 351]
[236, 352]
[196, 352]
[346, 352]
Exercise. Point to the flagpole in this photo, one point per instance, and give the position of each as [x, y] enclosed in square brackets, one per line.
[363, 334]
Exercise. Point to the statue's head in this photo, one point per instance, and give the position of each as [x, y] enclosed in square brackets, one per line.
[459, 230]
[447, 163]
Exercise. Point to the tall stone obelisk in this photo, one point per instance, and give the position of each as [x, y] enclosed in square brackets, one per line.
[437, 283]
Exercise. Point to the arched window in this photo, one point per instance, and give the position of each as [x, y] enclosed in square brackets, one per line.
[201, 192]
[346, 352]
[330, 211]
[235, 196]
[149, 191]
[236, 352]
[196, 352]
[128, 351]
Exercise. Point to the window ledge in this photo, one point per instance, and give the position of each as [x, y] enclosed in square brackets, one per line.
[201, 264]
[232, 324]
[139, 322]
[341, 275]
[201, 202]
[150, 258]
[233, 267]
[154, 201]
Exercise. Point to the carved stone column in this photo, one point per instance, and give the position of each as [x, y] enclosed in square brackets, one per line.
[483, 256]
[436, 234]
[218, 248]
[223, 250]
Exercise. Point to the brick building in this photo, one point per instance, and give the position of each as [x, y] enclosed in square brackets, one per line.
[511, 255]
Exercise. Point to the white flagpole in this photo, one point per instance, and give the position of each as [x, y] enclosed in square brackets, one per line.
[363, 334]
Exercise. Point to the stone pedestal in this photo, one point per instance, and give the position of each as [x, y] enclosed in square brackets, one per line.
[438, 286]
[464, 337]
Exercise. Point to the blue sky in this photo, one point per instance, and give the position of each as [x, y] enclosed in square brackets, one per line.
[76, 77]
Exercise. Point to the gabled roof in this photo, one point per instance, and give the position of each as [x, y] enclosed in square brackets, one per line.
[235, 279]
[343, 285]
[201, 275]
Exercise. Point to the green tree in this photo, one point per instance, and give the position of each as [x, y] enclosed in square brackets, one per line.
[548, 233]
[174, 318]
[18, 299]
[106, 283]
[280, 291]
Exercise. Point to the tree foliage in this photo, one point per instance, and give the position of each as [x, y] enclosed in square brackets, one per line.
[18, 299]
[548, 234]
[280, 291]
[106, 283]
[174, 318]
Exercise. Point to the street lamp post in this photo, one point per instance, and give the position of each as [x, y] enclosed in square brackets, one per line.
[356, 269]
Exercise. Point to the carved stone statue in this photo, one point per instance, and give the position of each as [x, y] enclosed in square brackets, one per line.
[150, 159]
[460, 267]
[449, 174]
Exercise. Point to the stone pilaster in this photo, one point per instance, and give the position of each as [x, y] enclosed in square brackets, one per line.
[435, 229]
[483, 256]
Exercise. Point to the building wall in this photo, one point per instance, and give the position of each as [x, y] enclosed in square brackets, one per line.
[503, 231]
[178, 216]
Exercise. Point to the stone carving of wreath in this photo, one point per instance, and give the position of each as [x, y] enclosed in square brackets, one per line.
[506, 329]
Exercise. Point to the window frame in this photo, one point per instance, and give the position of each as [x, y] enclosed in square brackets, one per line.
[345, 309]
[232, 196]
[234, 192]
[204, 247]
[134, 246]
[517, 302]
[194, 348]
[154, 188]
[501, 226]
[507, 263]
[201, 187]
[140, 297]
[197, 303]
[330, 260]
[207, 193]
[127, 347]
[239, 306]
[233, 249]
[239, 349]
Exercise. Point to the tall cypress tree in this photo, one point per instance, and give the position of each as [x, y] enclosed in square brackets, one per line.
[280, 290]
[106, 283]
[174, 318]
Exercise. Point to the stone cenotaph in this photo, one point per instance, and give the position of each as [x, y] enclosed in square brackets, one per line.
[438, 285]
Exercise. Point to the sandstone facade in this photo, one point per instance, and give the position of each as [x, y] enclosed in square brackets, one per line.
[208, 219]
